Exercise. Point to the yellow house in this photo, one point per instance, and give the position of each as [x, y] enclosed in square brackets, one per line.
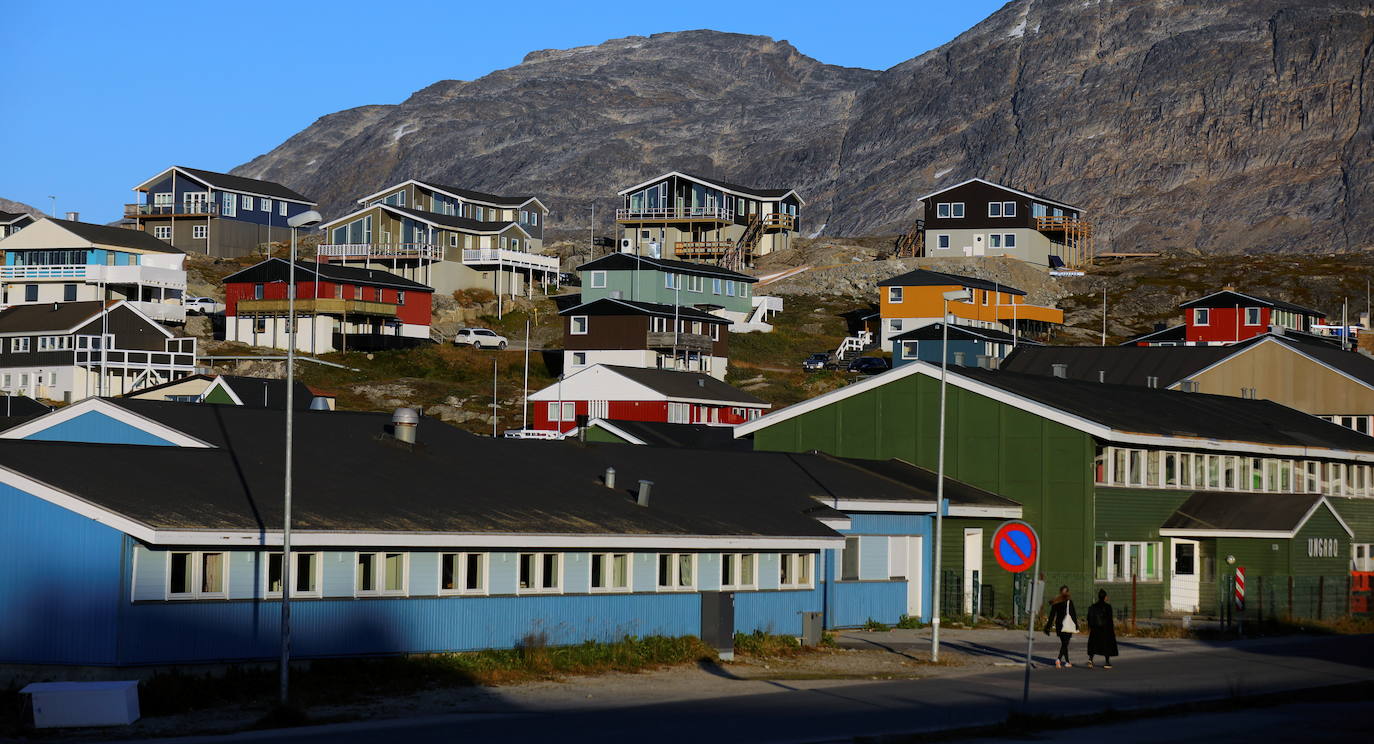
[915, 299]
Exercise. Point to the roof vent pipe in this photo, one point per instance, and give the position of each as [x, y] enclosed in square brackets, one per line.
[1060, 369]
[404, 421]
[73, 216]
[642, 498]
[609, 479]
[319, 404]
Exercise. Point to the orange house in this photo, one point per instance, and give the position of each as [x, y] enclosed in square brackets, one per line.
[914, 299]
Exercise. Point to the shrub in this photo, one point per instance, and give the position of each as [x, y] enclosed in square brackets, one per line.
[876, 626]
[760, 643]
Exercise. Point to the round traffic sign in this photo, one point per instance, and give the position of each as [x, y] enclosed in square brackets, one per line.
[1014, 546]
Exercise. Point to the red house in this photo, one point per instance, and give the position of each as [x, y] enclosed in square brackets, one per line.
[637, 394]
[1228, 316]
[337, 307]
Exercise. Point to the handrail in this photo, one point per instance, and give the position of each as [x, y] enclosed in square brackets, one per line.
[505, 255]
[205, 207]
[676, 213]
[430, 251]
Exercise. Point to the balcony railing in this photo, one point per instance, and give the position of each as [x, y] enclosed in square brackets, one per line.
[778, 220]
[136, 359]
[153, 276]
[686, 341]
[421, 251]
[43, 272]
[322, 306]
[186, 209]
[664, 214]
[699, 248]
[1062, 223]
[506, 257]
[162, 312]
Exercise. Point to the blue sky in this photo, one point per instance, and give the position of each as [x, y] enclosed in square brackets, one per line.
[104, 95]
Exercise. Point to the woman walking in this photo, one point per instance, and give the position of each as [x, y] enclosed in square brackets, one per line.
[1101, 630]
[1064, 621]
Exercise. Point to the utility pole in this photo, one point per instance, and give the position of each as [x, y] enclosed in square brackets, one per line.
[1104, 314]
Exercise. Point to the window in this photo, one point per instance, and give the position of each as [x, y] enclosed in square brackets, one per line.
[265, 205]
[942, 241]
[671, 281]
[534, 218]
[229, 205]
[196, 575]
[162, 199]
[257, 291]
[579, 325]
[610, 572]
[579, 359]
[1009, 240]
[994, 209]
[715, 331]
[957, 210]
[162, 232]
[696, 284]
[849, 560]
[54, 343]
[481, 214]
[569, 411]
[400, 297]
[677, 571]
[598, 279]
[995, 240]
[524, 217]
[894, 325]
[1009, 209]
[910, 349]
[281, 208]
[729, 288]
[1252, 316]
[19, 345]
[1119, 561]
[942, 210]
[658, 324]
[737, 571]
[894, 294]
[539, 572]
[305, 575]
[380, 573]
[1201, 316]
[247, 203]
[69, 293]
[1362, 555]
[794, 570]
[715, 286]
[200, 231]
[462, 573]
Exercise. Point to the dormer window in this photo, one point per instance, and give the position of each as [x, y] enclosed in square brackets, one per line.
[1252, 316]
[1201, 316]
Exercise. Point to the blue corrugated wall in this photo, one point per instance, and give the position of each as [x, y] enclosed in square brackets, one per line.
[96, 428]
[776, 612]
[61, 580]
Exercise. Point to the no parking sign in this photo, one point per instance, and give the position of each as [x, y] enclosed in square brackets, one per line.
[1015, 546]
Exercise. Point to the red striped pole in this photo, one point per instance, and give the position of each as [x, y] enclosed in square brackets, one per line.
[1240, 588]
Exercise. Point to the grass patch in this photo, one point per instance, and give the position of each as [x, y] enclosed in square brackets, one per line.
[876, 626]
[762, 644]
[907, 622]
[1346, 625]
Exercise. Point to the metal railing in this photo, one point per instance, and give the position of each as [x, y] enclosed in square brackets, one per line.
[43, 272]
[686, 341]
[510, 258]
[135, 274]
[675, 213]
[185, 208]
[423, 251]
[134, 358]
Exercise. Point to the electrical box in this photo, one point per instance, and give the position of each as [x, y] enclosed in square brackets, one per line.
[59, 704]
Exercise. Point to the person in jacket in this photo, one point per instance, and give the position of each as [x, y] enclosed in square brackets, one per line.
[1101, 630]
[1063, 619]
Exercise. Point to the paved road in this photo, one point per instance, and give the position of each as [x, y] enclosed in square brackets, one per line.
[1151, 676]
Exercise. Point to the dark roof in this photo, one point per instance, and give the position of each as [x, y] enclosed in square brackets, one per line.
[766, 193]
[119, 236]
[612, 306]
[928, 278]
[1352, 363]
[361, 479]
[453, 221]
[1004, 187]
[264, 392]
[920, 484]
[8, 217]
[676, 384]
[1231, 298]
[16, 406]
[935, 332]
[1143, 410]
[1122, 365]
[689, 436]
[277, 270]
[630, 261]
[46, 316]
[1178, 333]
[1267, 512]
[240, 183]
[482, 196]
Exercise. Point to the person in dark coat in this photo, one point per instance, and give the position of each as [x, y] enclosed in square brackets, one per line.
[1063, 619]
[1101, 630]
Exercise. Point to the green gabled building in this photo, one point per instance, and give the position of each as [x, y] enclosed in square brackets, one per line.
[1174, 488]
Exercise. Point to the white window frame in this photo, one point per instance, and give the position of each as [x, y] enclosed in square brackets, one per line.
[379, 574]
[802, 565]
[265, 204]
[911, 349]
[894, 294]
[1009, 209]
[942, 210]
[894, 325]
[597, 280]
[246, 202]
[1257, 315]
[316, 574]
[995, 209]
[675, 583]
[162, 232]
[197, 571]
[942, 241]
[281, 207]
[229, 204]
[461, 574]
[163, 199]
[1362, 556]
[852, 546]
[1108, 571]
[534, 218]
[957, 210]
[1008, 240]
[19, 345]
[735, 580]
[200, 232]
[1202, 316]
[729, 287]
[537, 580]
[579, 359]
[607, 562]
[671, 281]
[715, 286]
[574, 322]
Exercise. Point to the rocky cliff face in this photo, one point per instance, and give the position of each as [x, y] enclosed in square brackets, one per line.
[1212, 126]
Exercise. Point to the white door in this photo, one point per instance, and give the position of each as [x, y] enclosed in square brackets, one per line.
[1183, 576]
[973, 563]
[979, 247]
[915, 577]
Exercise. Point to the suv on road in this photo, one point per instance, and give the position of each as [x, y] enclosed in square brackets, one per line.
[818, 361]
[202, 305]
[479, 338]
[869, 365]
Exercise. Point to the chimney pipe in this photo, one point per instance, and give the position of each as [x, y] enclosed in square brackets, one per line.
[642, 498]
[1060, 369]
[609, 479]
[73, 216]
[404, 421]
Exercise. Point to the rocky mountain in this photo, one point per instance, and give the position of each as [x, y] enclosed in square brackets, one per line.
[14, 207]
[1211, 126]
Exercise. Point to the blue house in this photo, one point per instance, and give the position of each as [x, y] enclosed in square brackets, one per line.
[448, 542]
[217, 214]
[967, 346]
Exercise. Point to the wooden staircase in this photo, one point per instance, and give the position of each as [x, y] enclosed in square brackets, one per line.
[913, 243]
[737, 255]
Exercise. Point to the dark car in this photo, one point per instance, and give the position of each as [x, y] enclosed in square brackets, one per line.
[819, 360]
[569, 280]
[869, 365]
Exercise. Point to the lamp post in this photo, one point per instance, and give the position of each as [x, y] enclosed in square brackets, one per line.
[957, 295]
[304, 219]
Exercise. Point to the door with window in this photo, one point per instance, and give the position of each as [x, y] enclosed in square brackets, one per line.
[915, 578]
[194, 202]
[973, 568]
[1183, 575]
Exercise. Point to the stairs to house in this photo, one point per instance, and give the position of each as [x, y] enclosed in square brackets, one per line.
[854, 347]
[736, 257]
[913, 243]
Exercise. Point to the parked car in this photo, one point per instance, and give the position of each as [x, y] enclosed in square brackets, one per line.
[819, 360]
[569, 280]
[202, 305]
[480, 338]
[869, 365]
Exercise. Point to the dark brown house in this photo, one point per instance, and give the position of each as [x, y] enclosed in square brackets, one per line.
[645, 334]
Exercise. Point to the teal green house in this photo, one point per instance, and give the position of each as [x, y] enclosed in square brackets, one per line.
[1157, 496]
[627, 276]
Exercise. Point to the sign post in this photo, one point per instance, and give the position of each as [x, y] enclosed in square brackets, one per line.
[1240, 600]
[1016, 547]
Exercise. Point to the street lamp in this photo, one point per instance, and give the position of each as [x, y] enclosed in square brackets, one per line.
[304, 219]
[957, 295]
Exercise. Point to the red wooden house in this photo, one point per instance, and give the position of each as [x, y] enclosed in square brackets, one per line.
[635, 394]
[337, 307]
[1228, 316]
